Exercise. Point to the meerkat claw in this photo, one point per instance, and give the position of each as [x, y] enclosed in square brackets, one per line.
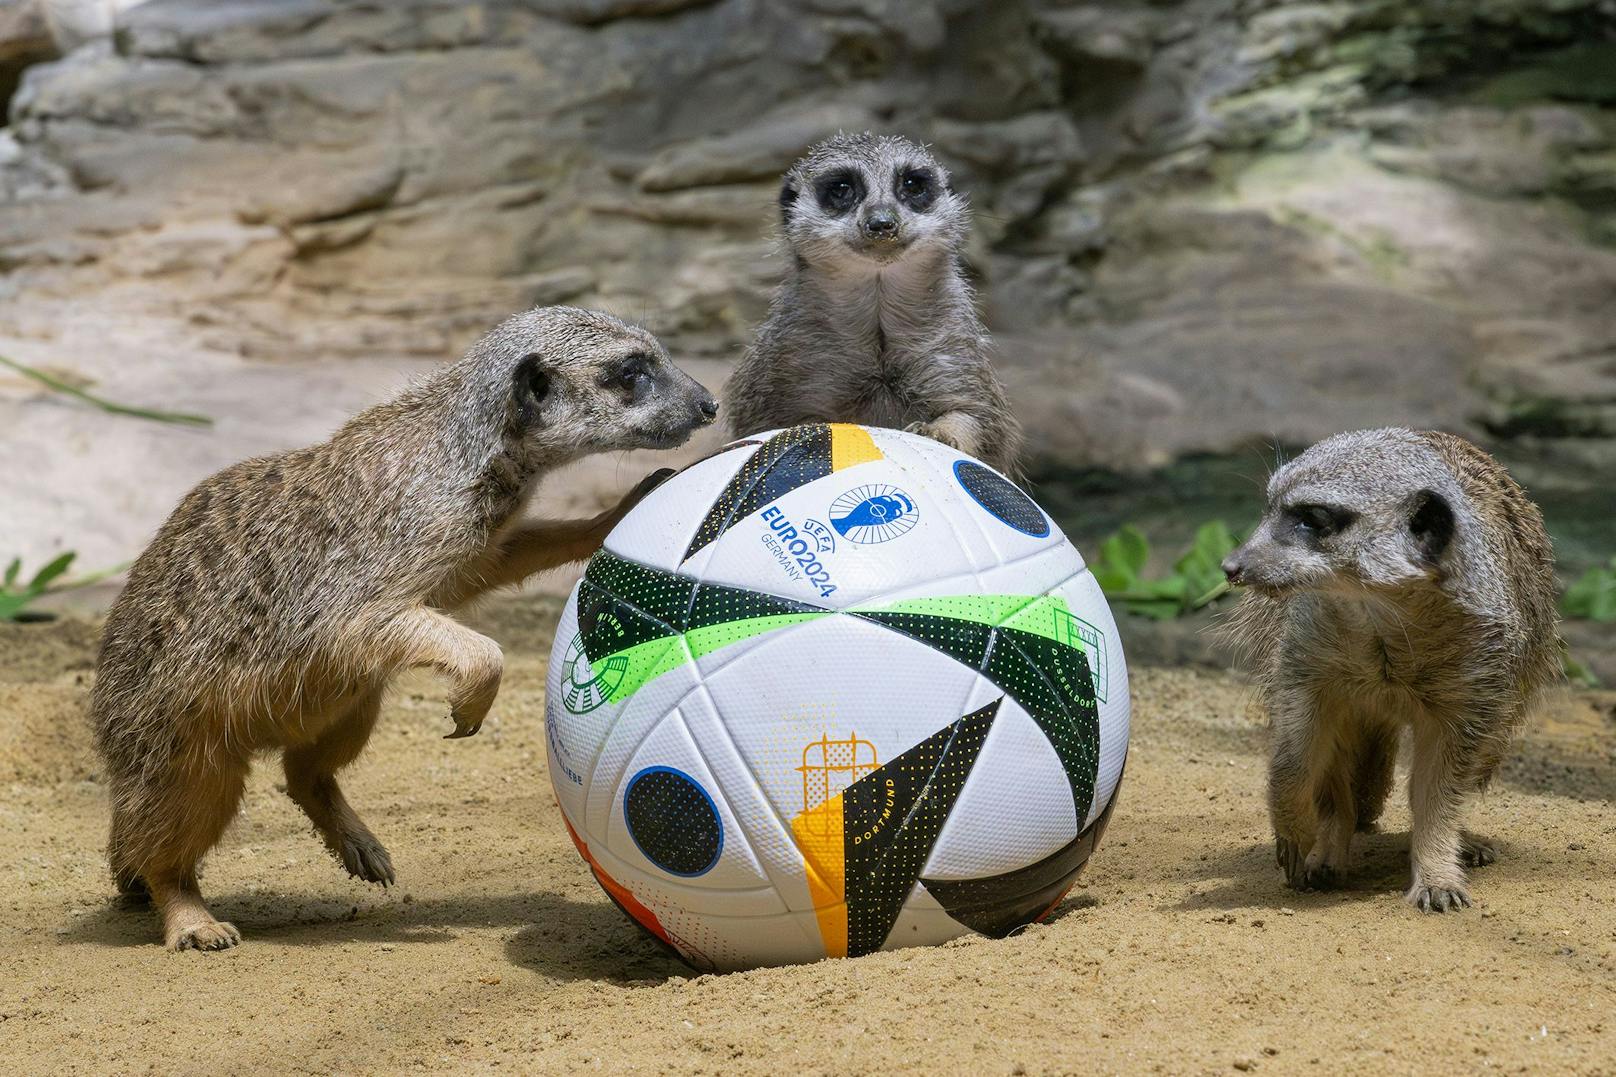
[462, 728]
[1289, 855]
[1477, 852]
[1319, 877]
[1438, 898]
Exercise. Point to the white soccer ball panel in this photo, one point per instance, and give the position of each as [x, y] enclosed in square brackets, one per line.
[1016, 807]
[660, 528]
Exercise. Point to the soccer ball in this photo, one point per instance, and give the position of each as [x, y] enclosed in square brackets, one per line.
[833, 690]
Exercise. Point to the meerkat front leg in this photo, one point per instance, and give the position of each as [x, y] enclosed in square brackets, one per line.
[1436, 798]
[1310, 788]
[474, 663]
[538, 547]
[1291, 805]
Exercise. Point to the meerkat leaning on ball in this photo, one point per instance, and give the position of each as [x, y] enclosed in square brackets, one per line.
[1397, 579]
[875, 322]
[272, 608]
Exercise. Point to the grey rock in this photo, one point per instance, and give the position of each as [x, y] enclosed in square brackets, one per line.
[1199, 223]
[1101, 33]
[760, 151]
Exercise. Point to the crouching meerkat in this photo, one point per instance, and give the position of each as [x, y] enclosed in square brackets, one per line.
[875, 322]
[283, 593]
[1397, 579]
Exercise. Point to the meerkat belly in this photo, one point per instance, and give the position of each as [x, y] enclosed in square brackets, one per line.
[886, 399]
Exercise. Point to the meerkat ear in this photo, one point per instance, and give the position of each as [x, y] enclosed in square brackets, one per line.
[531, 387]
[788, 198]
[1430, 521]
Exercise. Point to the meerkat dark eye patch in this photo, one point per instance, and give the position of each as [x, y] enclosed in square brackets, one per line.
[1314, 522]
[631, 374]
[915, 188]
[1430, 521]
[838, 192]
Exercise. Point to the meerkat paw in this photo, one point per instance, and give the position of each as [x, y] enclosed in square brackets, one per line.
[367, 859]
[1477, 852]
[933, 431]
[207, 934]
[1319, 877]
[1427, 897]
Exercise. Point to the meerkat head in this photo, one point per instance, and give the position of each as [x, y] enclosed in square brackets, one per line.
[1373, 511]
[869, 201]
[575, 382]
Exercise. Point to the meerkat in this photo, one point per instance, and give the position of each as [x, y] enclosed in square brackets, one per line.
[272, 608]
[1398, 579]
[875, 322]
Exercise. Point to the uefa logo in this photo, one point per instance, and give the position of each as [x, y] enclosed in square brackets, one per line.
[878, 512]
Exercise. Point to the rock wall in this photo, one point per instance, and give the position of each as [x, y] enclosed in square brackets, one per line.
[1198, 223]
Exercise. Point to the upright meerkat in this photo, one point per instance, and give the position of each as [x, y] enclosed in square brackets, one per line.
[875, 322]
[1397, 579]
[283, 593]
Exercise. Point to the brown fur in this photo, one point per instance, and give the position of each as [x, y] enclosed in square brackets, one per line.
[1433, 609]
[272, 608]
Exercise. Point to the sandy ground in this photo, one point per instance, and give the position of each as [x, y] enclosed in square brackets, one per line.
[1180, 951]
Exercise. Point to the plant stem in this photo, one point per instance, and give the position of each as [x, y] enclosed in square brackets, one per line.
[84, 581]
[60, 386]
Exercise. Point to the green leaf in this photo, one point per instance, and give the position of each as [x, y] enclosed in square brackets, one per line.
[12, 603]
[1111, 580]
[12, 570]
[1165, 610]
[55, 568]
[1206, 598]
[1214, 541]
[1126, 551]
[1577, 673]
[1593, 596]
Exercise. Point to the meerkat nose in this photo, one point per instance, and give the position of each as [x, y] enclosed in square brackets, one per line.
[1232, 568]
[709, 408]
[881, 222]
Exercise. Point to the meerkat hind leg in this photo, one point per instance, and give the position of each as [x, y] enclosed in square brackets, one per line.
[1375, 774]
[187, 923]
[311, 782]
[194, 807]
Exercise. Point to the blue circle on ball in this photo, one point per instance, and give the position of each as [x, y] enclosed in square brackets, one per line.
[673, 822]
[1002, 499]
